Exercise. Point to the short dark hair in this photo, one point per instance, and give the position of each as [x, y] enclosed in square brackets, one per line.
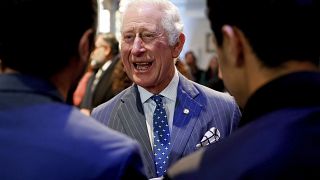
[278, 30]
[39, 37]
[111, 39]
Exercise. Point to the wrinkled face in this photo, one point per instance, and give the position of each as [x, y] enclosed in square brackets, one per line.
[146, 54]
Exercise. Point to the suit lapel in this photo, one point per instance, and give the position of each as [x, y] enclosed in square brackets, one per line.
[186, 114]
[132, 117]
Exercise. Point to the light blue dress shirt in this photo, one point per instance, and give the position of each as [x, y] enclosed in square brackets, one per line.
[169, 101]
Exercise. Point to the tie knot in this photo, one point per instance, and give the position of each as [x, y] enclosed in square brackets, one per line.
[157, 99]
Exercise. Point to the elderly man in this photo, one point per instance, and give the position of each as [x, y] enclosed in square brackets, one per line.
[167, 113]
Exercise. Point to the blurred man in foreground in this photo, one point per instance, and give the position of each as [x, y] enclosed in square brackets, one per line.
[44, 50]
[269, 55]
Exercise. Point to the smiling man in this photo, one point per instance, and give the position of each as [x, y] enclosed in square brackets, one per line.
[167, 113]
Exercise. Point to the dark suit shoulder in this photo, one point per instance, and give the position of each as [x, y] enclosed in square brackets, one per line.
[278, 145]
[61, 132]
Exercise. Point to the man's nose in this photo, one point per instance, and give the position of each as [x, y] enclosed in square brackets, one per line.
[138, 46]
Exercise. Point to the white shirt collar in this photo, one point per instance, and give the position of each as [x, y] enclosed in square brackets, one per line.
[169, 92]
[106, 65]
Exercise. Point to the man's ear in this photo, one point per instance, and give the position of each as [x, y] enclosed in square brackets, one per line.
[233, 44]
[177, 48]
[85, 45]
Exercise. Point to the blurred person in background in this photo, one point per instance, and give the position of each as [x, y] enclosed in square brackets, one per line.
[104, 58]
[212, 78]
[183, 69]
[121, 81]
[191, 60]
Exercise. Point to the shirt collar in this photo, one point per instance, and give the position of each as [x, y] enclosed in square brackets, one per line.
[106, 65]
[169, 92]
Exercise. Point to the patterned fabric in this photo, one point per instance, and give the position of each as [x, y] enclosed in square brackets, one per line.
[207, 108]
[161, 147]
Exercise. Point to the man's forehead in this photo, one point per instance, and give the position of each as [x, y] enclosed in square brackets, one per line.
[142, 16]
[141, 8]
[140, 27]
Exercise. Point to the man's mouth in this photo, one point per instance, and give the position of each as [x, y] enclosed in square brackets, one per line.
[144, 66]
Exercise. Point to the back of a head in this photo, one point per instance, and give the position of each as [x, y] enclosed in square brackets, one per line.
[38, 37]
[278, 30]
[171, 20]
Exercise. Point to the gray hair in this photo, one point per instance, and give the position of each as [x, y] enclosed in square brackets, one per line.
[171, 21]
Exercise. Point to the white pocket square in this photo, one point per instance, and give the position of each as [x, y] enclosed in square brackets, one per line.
[209, 137]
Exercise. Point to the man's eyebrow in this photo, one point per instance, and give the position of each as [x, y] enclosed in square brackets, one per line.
[140, 29]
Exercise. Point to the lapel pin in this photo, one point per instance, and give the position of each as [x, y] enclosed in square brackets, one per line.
[186, 111]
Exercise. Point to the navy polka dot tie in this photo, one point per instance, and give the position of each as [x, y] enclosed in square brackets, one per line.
[161, 146]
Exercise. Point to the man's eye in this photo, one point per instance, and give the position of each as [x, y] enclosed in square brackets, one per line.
[128, 37]
[148, 36]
